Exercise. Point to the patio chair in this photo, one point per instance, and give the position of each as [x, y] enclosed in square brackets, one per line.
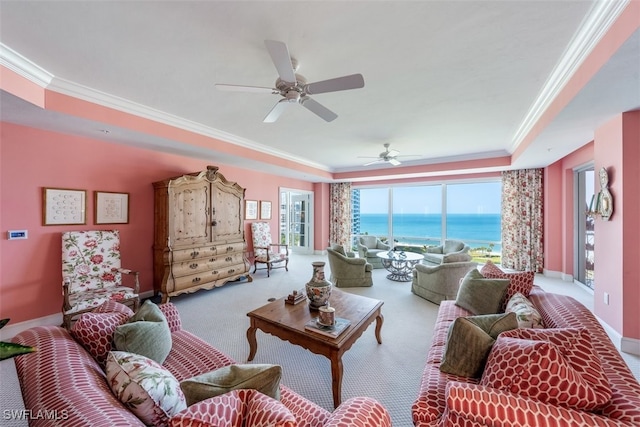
[92, 275]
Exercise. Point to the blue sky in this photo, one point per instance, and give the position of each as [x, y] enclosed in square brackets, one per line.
[481, 197]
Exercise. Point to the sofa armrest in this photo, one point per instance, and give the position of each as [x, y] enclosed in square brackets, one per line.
[170, 311]
[486, 406]
[361, 411]
[362, 251]
[434, 249]
[383, 246]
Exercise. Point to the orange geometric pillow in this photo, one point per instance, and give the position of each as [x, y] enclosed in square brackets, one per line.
[95, 331]
[238, 408]
[519, 282]
[557, 366]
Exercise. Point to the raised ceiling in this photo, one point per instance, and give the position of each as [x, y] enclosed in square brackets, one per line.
[445, 81]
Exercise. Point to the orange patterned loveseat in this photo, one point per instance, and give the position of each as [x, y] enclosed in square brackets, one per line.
[449, 400]
[63, 381]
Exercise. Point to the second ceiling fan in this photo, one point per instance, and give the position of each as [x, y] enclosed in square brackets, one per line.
[293, 88]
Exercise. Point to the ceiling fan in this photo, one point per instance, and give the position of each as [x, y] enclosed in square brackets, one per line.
[388, 156]
[294, 88]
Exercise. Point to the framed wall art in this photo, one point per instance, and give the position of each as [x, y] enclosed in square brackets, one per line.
[250, 209]
[111, 208]
[265, 209]
[63, 206]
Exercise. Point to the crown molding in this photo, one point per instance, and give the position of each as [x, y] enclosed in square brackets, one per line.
[88, 94]
[595, 25]
[20, 65]
[38, 75]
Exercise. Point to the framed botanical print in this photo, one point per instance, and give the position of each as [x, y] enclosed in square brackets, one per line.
[63, 206]
[250, 209]
[265, 209]
[111, 208]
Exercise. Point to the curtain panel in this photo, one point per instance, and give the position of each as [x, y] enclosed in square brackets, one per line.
[340, 215]
[522, 221]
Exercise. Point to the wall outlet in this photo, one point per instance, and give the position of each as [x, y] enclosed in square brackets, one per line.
[17, 234]
[606, 298]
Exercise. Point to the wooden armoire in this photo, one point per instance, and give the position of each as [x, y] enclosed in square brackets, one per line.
[199, 233]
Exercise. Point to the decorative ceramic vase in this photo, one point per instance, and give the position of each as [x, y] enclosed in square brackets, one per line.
[318, 289]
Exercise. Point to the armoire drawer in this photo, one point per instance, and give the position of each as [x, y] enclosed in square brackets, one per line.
[200, 265]
[207, 251]
[198, 279]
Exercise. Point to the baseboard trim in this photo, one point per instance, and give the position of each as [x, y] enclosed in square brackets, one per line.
[557, 275]
[11, 330]
[630, 345]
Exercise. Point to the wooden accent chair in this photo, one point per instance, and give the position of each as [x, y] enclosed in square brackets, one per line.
[91, 273]
[273, 255]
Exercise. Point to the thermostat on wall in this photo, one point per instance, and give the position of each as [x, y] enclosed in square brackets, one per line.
[17, 234]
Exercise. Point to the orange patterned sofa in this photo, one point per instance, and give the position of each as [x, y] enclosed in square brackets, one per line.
[450, 400]
[66, 384]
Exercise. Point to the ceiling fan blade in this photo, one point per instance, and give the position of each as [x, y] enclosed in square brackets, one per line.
[276, 111]
[374, 162]
[392, 153]
[281, 59]
[240, 88]
[395, 162]
[354, 81]
[317, 108]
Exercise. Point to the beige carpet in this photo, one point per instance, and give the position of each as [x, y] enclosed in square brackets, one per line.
[389, 372]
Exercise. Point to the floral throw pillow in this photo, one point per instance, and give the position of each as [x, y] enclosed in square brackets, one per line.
[527, 314]
[150, 391]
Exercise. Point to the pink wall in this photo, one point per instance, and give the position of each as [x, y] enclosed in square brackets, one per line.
[616, 250]
[31, 159]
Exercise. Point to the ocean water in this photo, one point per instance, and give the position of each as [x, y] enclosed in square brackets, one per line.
[475, 229]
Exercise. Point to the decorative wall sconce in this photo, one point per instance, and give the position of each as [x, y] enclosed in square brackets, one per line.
[602, 203]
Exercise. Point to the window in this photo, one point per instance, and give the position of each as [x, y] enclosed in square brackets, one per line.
[421, 215]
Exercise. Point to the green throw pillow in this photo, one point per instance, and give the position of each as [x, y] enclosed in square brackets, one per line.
[480, 295]
[261, 377]
[470, 340]
[146, 333]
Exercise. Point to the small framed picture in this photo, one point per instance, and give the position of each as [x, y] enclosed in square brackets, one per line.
[251, 209]
[63, 206]
[265, 209]
[111, 208]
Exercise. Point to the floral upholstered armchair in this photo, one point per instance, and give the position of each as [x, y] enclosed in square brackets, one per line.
[273, 255]
[91, 273]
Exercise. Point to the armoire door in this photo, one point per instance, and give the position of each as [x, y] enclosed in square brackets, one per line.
[189, 219]
[226, 218]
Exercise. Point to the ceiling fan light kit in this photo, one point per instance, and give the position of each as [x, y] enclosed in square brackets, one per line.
[294, 87]
[388, 156]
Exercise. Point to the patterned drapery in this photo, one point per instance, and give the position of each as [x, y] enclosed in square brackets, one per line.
[522, 220]
[340, 214]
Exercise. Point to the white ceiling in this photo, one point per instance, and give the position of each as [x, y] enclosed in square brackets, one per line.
[444, 80]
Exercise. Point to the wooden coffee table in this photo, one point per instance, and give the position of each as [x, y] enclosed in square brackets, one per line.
[287, 322]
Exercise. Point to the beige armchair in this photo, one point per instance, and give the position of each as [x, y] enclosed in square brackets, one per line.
[368, 247]
[348, 271]
[450, 251]
[439, 282]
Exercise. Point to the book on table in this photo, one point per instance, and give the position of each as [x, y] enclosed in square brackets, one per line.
[334, 331]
